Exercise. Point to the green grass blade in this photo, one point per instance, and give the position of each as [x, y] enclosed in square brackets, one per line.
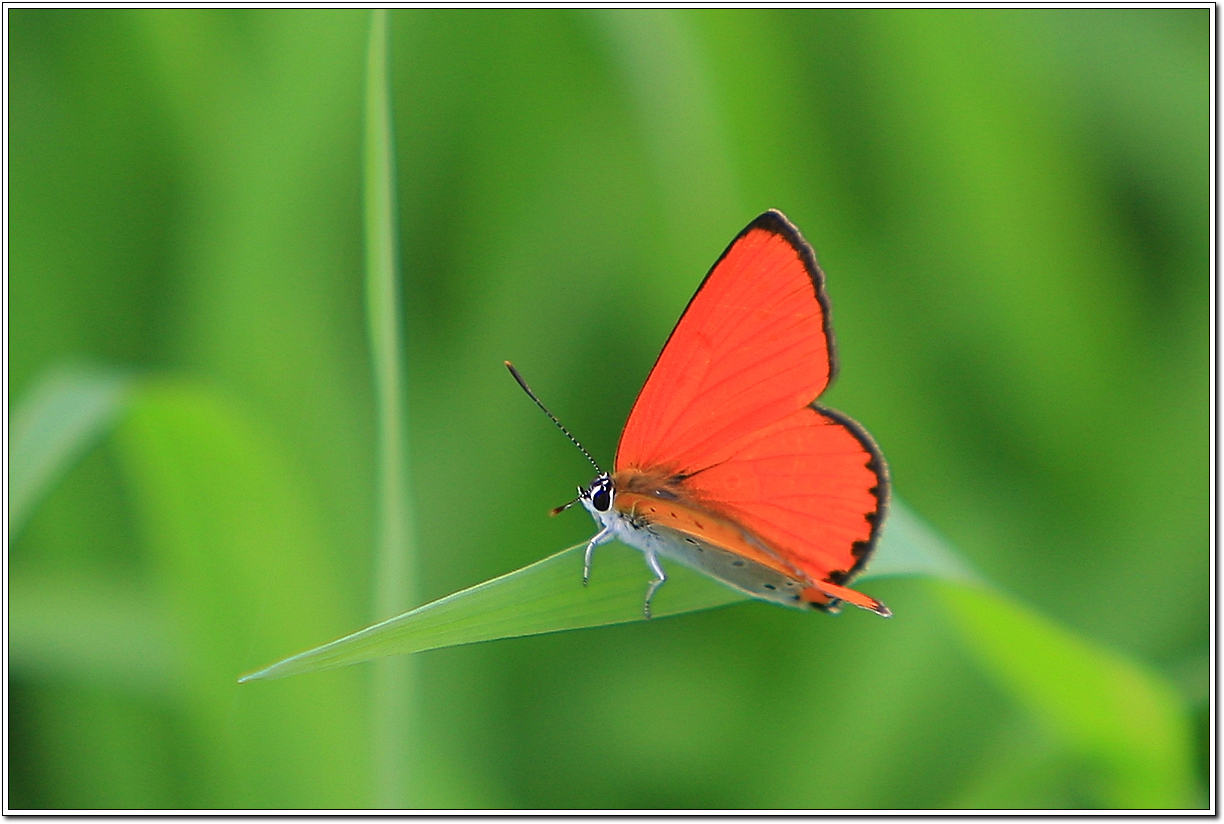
[1121, 718]
[395, 558]
[1125, 723]
[65, 413]
[233, 539]
[909, 547]
[546, 596]
[86, 629]
[394, 579]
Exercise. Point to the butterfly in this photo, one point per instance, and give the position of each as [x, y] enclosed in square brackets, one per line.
[727, 463]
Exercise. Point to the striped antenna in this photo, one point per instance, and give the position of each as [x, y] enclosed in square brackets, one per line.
[551, 417]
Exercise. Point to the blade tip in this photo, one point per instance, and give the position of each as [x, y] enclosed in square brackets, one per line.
[258, 675]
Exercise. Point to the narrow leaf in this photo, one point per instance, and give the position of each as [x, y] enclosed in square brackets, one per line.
[547, 596]
[87, 630]
[909, 547]
[68, 410]
[1123, 720]
[395, 557]
[237, 564]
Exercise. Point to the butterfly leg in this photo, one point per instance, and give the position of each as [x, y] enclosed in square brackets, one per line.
[602, 537]
[660, 577]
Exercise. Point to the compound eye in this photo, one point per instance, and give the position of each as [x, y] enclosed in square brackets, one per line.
[602, 499]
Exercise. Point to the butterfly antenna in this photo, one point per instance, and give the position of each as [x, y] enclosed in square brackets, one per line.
[551, 416]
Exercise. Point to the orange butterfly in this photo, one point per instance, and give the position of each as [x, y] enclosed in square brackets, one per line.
[727, 464]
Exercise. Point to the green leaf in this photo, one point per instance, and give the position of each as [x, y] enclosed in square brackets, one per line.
[68, 410]
[232, 537]
[89, 630]
[909, 547]
[1126, 722]
[546, 596]
[395, 579]
[395, 574]
[1123, 720]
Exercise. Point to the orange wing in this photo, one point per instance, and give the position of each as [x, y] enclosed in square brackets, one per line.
[728, 410]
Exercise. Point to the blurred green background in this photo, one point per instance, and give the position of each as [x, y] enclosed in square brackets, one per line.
[1012, 208]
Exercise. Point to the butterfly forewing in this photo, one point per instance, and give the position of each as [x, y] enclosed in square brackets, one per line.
[751, 347]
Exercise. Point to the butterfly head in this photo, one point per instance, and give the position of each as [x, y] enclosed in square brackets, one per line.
[597, 497]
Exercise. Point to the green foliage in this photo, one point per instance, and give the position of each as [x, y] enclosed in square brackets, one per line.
[1012, 209]
[541, 597]
[1129, 728]
[394, 702]
[1124, 727]
[60, 418]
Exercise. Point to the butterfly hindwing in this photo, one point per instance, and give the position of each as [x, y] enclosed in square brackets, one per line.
[812, 486]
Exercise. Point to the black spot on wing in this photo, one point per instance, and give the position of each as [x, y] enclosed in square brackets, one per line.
[833, 607]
